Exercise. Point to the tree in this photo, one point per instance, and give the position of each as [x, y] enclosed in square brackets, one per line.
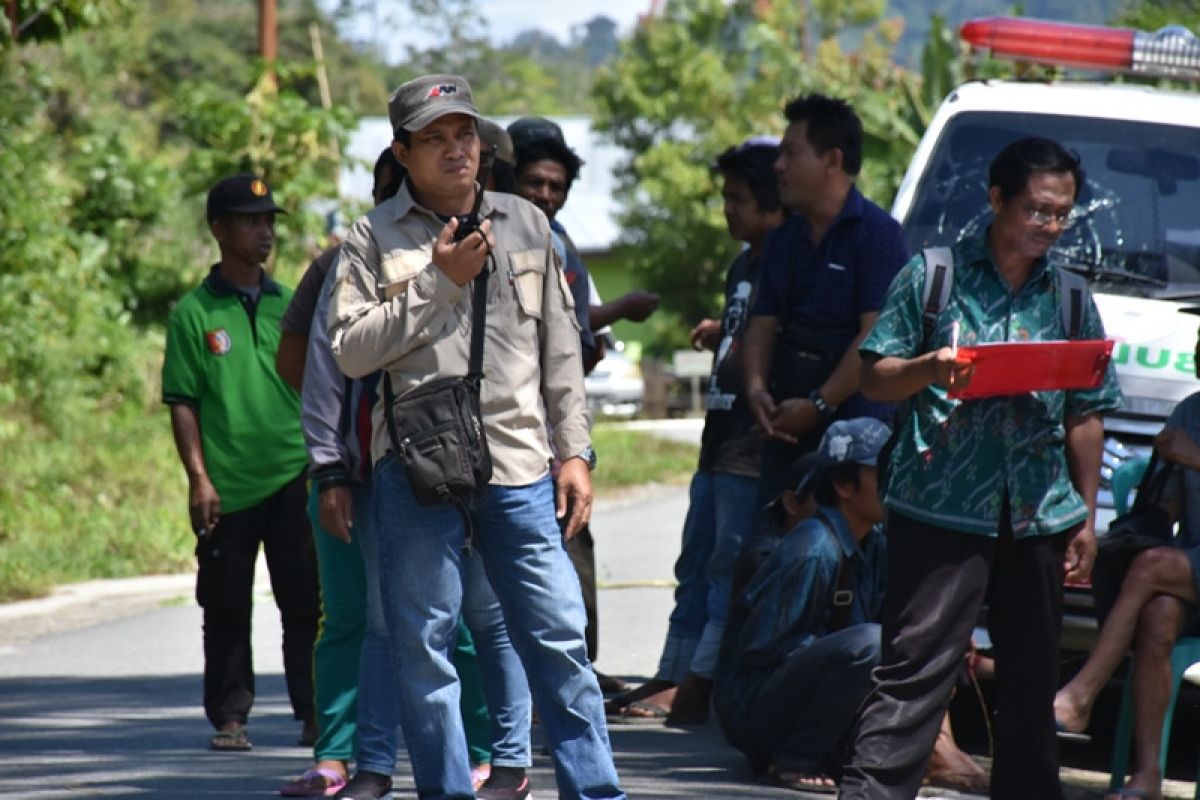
[706, 74]
[1150, 16]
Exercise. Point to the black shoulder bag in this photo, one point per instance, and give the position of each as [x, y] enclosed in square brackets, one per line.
[1147, 524]
[436, 430]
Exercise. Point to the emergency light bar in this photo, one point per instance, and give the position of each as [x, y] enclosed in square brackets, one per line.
[1172, 52]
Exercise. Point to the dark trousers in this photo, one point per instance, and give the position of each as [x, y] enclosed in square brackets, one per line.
[796, 714]
[937, 580]
[224, 589]
[582, 549]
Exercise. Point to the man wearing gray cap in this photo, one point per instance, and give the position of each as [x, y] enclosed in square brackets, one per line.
[803, 634]
[407, 296]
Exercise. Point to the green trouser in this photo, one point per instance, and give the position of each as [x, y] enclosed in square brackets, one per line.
[477, 724]
[339, 640]
[337, 651]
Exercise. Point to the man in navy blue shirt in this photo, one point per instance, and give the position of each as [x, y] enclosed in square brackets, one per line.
[825, 272]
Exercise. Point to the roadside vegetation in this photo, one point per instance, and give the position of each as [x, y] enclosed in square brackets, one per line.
[116, 115]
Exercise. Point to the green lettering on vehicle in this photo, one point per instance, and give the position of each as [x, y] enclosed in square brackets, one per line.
[1122, 355]
[1143, 358]
[1186, 363]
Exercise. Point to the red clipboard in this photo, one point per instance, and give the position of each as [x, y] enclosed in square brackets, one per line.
[1012, 368]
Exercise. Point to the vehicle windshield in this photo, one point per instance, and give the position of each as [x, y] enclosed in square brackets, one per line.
[1136, 224]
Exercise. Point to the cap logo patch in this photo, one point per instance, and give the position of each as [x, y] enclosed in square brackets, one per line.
[258, 188]
[441, 90]
[839, 446]
[219, 342]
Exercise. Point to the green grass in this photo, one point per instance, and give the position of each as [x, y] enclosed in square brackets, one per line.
[108, 499]
[105, 499]
[628, 458]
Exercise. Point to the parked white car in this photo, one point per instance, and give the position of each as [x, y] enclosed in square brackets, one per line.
[615, 387]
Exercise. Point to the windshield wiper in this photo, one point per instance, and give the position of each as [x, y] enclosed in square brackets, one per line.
[1093, 273]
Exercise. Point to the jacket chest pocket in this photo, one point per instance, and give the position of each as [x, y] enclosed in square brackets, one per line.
[528, 271]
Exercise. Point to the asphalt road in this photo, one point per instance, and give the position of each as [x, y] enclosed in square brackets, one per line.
[100, 688]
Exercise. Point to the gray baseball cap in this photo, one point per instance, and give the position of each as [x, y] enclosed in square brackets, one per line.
[422, 100]
[490, 133]
[854, 441]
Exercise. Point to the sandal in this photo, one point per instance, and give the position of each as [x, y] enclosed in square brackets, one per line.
[315, 782]
[233, 741]
[813, 780]
[643, 711]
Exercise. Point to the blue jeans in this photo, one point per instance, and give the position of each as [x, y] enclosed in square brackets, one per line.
[797, 713]
[378, 698]
[421, 557]
[503, 677]
[720, 516]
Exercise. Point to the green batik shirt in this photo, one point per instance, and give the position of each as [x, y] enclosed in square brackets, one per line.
[955, 461]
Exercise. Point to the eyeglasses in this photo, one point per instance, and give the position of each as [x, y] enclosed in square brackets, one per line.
[1043, 218]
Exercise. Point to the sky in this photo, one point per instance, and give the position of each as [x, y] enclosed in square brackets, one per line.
[507, 18]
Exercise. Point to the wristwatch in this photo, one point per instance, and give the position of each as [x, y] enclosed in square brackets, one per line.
[824, 410]
[589, 457]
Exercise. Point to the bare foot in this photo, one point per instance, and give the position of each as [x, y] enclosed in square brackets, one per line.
[1071, 715]
[1141, 786]
[652, 691]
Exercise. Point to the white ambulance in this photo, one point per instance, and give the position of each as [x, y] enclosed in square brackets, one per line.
[1136, 231]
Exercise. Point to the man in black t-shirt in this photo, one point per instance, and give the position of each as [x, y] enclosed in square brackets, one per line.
[723, 489]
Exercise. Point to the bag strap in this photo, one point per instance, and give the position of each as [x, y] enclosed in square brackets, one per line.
[474, 363]
[1072, 289]
[939, 277]
[478, 321]
[843, 589]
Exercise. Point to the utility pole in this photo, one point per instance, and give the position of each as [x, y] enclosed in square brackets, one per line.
[14, 24]
[268, 36]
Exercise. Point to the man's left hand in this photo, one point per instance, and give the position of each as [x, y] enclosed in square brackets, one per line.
[1080, 555]
[793, 418]
[574, 496]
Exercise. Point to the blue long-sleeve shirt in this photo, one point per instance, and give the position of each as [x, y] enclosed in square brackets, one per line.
[788, 602]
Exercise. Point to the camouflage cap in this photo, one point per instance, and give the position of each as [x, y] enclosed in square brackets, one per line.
[422, 100]
[856, 441]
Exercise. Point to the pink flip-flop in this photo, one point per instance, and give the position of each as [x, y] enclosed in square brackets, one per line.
[315, 782]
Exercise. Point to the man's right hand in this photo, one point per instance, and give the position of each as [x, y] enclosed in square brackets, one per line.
[462, 261]
[706, 334]
[335, 511]
[204, 506]
[762, 406]
[637, 306]
[949, 372]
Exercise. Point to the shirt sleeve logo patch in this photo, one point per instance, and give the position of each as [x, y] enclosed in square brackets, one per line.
[219, 342]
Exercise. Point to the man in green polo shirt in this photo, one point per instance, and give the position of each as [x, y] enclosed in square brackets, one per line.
[988, 498]
[237, 429]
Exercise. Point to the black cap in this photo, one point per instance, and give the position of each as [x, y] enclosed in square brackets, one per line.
[241, 194]
[422, 100]
[535, 129]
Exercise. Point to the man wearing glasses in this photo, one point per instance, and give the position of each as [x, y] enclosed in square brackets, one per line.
[991, 498]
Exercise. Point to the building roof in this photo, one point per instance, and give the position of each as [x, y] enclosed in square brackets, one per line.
[590, 213]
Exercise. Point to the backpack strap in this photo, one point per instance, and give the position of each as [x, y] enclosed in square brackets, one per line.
[1072, 292]
[939, 278]
[842, 599]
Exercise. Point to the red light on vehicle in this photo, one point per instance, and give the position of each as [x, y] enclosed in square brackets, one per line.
[1171, 52]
